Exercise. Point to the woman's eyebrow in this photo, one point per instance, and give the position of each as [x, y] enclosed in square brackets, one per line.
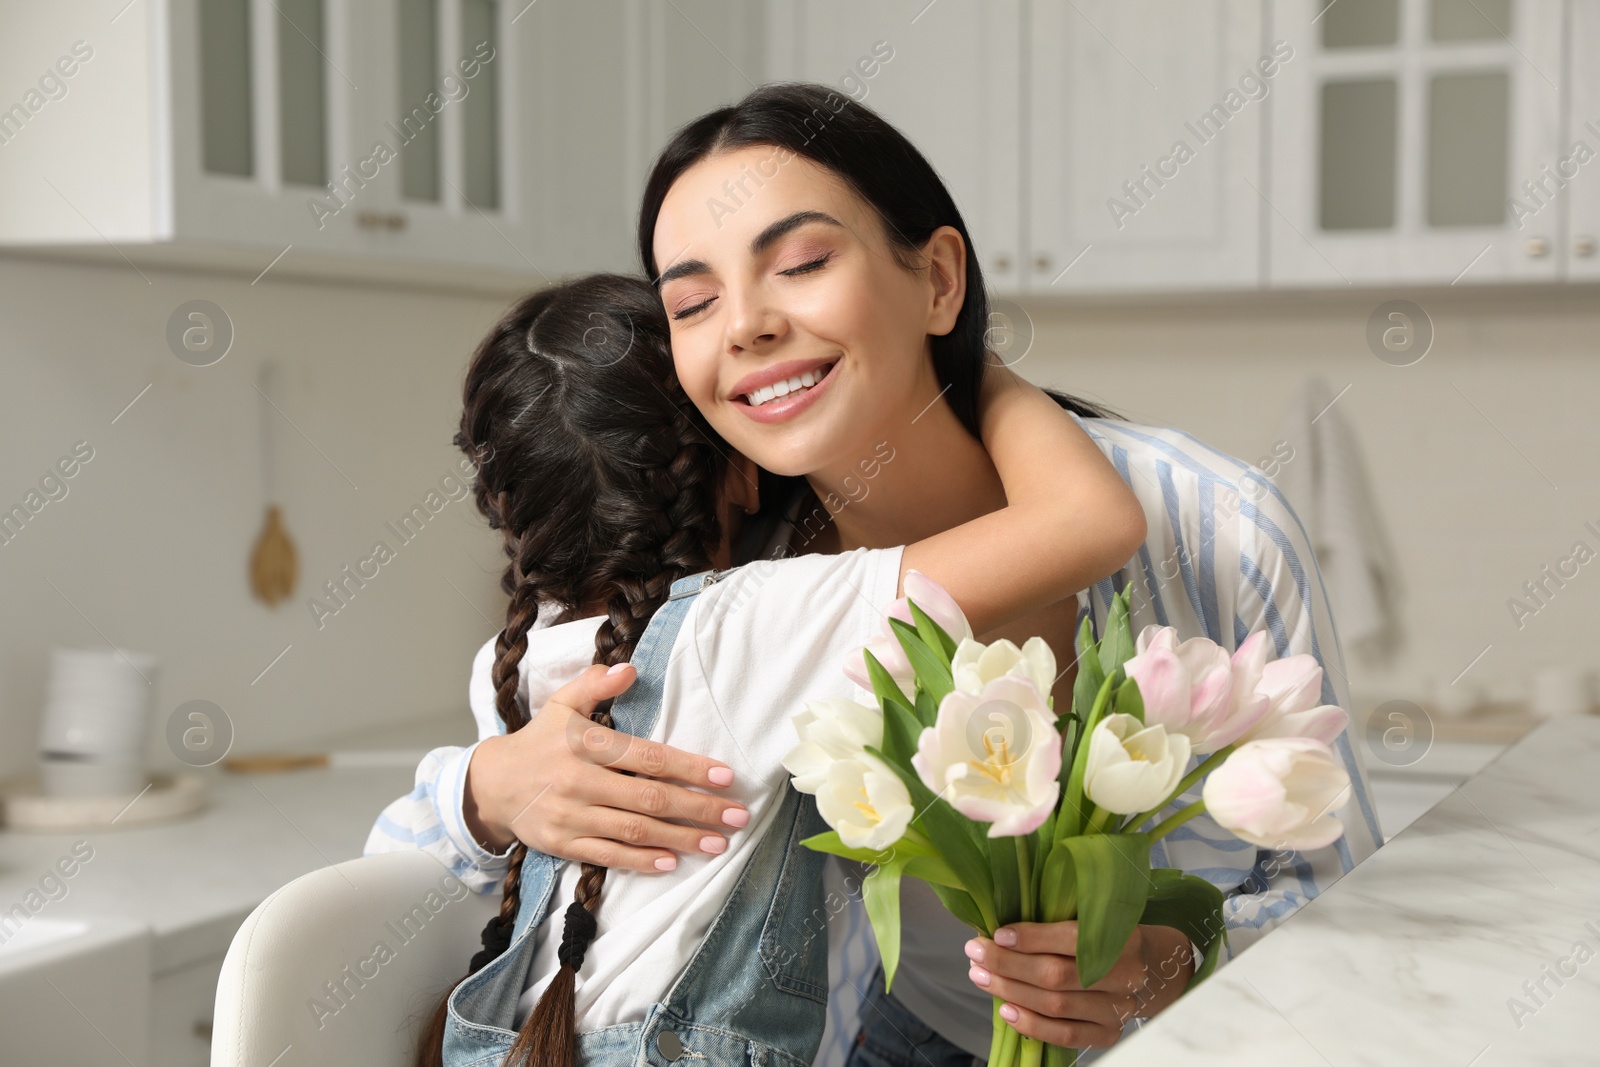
[763, 240]
[772, 233]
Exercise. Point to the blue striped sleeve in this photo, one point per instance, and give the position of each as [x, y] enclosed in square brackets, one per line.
[1280, 591]
[429, 818]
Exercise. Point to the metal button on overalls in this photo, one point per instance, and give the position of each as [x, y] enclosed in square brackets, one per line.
[669, 1045]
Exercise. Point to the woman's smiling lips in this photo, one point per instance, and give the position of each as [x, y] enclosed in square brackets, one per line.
[783, 408]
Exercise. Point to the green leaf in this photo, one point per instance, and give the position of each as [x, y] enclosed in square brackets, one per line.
[881, 893]
[1007, 880]
[943, 645]
[1058, 887]
[1072, 795]
[959, 903]
[933, 870]
[927, 710]
[933, 674]
[903, 850]
[1117, 645]
[1113, 878]
[900, 732]
[956, 838]
[1193, 905]
[884, 686]
[1129, 700]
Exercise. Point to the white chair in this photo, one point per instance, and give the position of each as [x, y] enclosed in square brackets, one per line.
[346, 964]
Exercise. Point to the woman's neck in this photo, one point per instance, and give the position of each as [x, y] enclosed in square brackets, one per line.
[936, 476]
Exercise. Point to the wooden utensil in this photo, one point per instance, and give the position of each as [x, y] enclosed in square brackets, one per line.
[273, 564]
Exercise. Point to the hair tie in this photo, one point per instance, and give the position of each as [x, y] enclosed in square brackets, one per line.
[575, 935]
[496, 939]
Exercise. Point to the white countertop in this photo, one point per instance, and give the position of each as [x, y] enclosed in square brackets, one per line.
[193, 881]
[1421, 954]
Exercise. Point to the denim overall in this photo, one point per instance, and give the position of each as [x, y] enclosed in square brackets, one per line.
[756, 991]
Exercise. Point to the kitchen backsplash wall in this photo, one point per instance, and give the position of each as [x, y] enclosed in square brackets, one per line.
[148, 546]
[1482, 457]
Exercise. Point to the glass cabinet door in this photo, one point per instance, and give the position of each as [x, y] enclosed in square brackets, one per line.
[1406, 135]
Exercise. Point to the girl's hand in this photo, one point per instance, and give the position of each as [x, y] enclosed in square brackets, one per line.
[555, 786]
[1037, 977]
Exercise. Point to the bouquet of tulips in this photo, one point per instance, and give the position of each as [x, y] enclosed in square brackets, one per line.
[965, 776]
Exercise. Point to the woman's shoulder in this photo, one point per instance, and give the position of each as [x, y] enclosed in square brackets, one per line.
[1167, 447]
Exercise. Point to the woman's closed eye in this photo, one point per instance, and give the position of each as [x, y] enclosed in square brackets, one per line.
[804, 268]
[683, 313]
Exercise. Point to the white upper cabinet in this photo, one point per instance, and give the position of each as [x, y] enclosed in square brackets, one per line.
[1412, 142]
[364, 133]
[1577, 165]
[947, 75]
[1144, 140]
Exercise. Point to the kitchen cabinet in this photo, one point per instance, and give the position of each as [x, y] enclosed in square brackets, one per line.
[948, 76]
[442, 134]
[1404, 135]
[1144, 143]
[1577, 165]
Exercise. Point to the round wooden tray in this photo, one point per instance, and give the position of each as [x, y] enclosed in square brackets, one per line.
[25, 807]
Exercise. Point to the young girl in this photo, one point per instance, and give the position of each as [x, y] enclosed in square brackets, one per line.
[611, 495]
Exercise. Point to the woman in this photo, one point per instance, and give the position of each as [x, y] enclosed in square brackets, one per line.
[797, 234]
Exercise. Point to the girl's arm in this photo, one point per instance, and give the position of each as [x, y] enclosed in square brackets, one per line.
[1070, 520]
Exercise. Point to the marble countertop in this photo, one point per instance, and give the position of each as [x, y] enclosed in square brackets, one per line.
[1472, 938]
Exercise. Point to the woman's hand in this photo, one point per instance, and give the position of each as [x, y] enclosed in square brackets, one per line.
[555, 786]
[1037, 977]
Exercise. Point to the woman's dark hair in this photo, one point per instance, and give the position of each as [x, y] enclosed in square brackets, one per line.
[604, 482]
[884, 168]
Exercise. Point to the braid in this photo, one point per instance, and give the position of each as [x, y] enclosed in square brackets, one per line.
[604, 482]
[671, 541]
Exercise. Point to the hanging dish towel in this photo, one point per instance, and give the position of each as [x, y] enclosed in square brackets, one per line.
[1327, 484]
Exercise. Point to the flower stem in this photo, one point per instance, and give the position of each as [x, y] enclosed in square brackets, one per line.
[1172, 822]
[1097, 821]
[1188, 780]
[1025, 876]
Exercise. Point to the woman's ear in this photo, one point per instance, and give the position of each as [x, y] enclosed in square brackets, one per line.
[946, 253]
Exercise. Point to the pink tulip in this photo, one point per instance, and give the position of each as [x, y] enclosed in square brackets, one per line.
[936, 603]
[1279, 793]
[1292, 687]
[1195, 689]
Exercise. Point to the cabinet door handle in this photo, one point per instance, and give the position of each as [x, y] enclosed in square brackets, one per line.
[202, 1030]
[370, 220]
[1583, 246]
[1002, 264]
[1041, 262]
[1537, 247]
[396, 222]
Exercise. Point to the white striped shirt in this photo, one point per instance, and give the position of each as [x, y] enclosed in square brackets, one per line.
[1225, 556]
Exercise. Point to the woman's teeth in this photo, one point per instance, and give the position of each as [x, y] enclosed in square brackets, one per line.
[793, 385]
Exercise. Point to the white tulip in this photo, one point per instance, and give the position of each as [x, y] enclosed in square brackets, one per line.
[994, 756]
[866, 802]
[1132, 767]
[1279, 792]
[830, 730]
[975, 665]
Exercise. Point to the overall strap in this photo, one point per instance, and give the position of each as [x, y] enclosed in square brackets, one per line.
[634, 712]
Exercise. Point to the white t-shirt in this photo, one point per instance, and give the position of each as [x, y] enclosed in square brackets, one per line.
[753, 648]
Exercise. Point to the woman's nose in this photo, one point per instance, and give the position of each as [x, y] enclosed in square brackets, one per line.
[753, 322]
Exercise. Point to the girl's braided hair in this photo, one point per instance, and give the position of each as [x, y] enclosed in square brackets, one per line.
[604, 482]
